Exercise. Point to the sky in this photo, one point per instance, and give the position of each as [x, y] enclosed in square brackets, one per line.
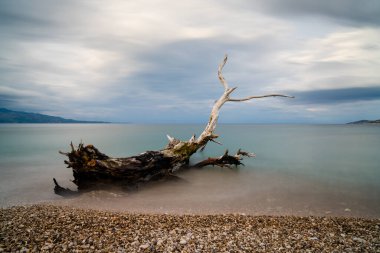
[156, 61]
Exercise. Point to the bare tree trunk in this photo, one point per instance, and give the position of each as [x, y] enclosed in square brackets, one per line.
[91, 168]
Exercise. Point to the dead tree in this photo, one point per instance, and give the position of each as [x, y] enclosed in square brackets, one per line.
[92, 168]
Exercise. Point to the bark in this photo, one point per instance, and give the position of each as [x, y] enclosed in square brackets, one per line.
[92, 169]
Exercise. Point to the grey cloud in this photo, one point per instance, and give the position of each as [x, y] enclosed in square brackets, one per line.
[22, 15]
[189, 67]
[16, 19]
[40, 19]
[181, 78]
[336, 96]
[173, 79]
[7, 101]
[23, 103]
[366, 12]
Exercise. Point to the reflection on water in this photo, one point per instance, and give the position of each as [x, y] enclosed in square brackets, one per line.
[302, 170]
[224, 191]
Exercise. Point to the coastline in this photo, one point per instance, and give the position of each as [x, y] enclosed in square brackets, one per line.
[52, 228]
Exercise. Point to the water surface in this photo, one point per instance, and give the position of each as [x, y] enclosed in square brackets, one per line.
[299, 169]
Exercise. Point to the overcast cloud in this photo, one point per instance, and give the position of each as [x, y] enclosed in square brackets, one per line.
[156, 61]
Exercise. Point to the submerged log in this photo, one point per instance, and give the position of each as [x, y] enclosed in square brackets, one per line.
[92, 169]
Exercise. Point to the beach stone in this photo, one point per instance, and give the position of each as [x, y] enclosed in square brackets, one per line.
[359, 239]
[144, 246]
[52, 230]
[24, 250]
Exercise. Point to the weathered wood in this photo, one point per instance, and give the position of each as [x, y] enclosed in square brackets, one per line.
[225, 160]
[91, 168]
[65, 192]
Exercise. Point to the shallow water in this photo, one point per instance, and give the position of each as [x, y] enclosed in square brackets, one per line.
[299, 169]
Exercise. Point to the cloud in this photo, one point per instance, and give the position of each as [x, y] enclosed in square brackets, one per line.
[117, 52]
[156, 62]
[337, 96]
[348, 12]
[339, 60]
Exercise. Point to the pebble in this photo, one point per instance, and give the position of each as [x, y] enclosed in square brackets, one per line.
[359, 239]
[144, 246]
[51, 228]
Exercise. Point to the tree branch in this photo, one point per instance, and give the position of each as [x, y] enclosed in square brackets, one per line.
[225, 160]
[221, 78]
[65, 192]
[205, 136]
[254, 97]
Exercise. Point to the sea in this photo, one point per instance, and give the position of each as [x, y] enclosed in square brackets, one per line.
[322, 170]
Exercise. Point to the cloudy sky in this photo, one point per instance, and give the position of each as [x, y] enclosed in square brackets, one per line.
[156, 61]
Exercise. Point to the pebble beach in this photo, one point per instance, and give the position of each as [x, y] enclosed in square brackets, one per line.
[49, 228]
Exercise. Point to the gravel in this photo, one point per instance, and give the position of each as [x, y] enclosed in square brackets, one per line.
[47, 228]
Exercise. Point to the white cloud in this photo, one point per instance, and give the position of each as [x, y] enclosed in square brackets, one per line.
[93, 45]
[341, 59]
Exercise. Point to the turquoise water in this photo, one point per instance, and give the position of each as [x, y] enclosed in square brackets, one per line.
[299, 169]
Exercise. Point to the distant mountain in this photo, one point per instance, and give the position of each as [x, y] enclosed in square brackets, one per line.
[8, 116]
[366, 122]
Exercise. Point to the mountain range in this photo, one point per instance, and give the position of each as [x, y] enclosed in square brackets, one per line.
[9, 116]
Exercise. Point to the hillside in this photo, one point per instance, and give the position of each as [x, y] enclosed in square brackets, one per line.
[366, 122]
[9, 116]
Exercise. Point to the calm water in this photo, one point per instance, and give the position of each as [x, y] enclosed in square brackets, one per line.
[299, 169]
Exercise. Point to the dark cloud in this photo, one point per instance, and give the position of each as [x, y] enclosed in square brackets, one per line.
[366, 12]
[23, 15]
[16, 19]
[336, 96]
[188, 68]
[38, 20]
[7, 101]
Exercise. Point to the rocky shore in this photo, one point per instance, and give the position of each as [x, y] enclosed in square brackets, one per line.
[46, 228]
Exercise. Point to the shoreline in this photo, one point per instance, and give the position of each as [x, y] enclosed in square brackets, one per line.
[53, 228]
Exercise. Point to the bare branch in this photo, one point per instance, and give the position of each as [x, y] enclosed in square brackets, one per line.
[225, 160]
[221, 78]
[208, 132]
[192, 139]
[66, 192]
[171, 139]
[63, 153]
[217, 142]
[254, 97]
[72, 147]
[244, 153]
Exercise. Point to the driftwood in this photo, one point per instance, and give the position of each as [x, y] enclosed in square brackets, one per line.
[92, 169]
